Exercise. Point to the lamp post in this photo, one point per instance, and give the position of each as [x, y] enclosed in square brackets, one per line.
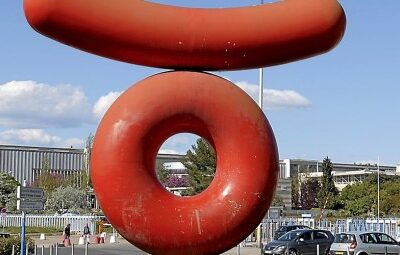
[379, 228]
[261, 83]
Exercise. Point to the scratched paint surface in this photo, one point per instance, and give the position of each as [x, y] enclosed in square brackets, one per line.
[137, 204]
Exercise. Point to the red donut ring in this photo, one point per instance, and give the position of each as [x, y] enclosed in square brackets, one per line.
[123, 164]
[135, 31]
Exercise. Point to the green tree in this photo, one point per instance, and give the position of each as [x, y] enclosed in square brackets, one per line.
[328, 194]
[67, 199]
[295, 186]
[358, 199]
[79, 180]
[277, 201]
[200, 164]
[8, 186]
[11, 204]
[390, 198]
[48, 181]
[308, 193]
[162, 173]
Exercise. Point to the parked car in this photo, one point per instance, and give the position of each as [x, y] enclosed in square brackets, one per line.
[284, 229]
[301, 242]
[364, 243]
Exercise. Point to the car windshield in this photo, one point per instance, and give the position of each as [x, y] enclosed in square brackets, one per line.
[281, 229]
[344, 238]
[289, 236]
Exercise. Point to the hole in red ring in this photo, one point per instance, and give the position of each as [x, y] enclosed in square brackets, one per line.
[186, 164]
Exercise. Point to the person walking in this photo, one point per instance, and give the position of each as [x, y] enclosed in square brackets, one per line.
[86, 233]
[67, 234]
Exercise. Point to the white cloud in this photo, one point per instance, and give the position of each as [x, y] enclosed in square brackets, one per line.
[103, 103]
[179, 143]
[28, 104]
[276, 99]
[37, 137]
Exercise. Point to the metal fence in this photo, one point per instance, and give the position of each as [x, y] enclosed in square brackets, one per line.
[52, 221]
[267, 228]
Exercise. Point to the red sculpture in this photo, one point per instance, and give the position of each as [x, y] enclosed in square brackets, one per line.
[151, 34]
[135, 126]
[137, 204]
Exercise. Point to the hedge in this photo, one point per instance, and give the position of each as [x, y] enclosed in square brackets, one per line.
[6, 245]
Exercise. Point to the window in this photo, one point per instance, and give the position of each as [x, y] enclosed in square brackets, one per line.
[306, 236]
[320, 235]
[283, 228]
[384, 239]
[368, 238]
[344, 238]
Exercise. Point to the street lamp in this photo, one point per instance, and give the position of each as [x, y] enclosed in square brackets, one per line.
[378, 193]
[261, 83]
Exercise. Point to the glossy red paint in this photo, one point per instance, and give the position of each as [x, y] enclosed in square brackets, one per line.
[145, 33]
[123, 164]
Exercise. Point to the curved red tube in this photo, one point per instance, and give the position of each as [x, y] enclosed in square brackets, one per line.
[123, 164]
[164, 36]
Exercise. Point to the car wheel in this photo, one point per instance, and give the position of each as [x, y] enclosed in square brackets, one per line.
[292, 252]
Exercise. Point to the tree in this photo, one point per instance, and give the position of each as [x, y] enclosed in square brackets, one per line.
[390, 196]
[358, 199]
[327, 196]
[277, 201]
[175, 182]
[46, 180]
[11, 204]
[162, 173]
[308, 193]
[67, 199]
[79, 180]
[8, 186]
[295, 185]
[200, 164]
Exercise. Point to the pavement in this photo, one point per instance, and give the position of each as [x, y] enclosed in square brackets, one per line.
[121, 247]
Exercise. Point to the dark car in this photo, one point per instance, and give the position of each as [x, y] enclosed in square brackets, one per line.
[301, 242]
[284, 229]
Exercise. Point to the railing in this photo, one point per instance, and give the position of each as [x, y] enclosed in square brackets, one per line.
[390, 226]
[52, 221]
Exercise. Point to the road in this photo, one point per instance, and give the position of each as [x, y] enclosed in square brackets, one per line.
[120, 248]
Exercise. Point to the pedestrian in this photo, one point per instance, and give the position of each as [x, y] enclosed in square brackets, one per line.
[86, 233]
[67, 231]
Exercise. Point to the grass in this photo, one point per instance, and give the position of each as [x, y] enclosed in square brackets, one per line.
[30, 230]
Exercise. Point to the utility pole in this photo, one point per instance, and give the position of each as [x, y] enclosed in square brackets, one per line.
[378, 194]
[261, 83]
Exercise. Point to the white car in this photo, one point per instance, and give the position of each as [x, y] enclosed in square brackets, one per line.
[364, 243]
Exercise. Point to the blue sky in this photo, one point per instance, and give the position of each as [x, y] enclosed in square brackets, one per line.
[344, 104]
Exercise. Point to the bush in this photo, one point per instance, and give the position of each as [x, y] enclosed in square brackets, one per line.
[6, 245]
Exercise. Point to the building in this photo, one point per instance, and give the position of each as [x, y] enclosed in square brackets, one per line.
[26, 162]
[343, 173]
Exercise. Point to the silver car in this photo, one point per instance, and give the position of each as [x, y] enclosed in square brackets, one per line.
[364, 243]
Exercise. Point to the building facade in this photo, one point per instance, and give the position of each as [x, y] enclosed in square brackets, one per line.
[26, 162]
[343, 174]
